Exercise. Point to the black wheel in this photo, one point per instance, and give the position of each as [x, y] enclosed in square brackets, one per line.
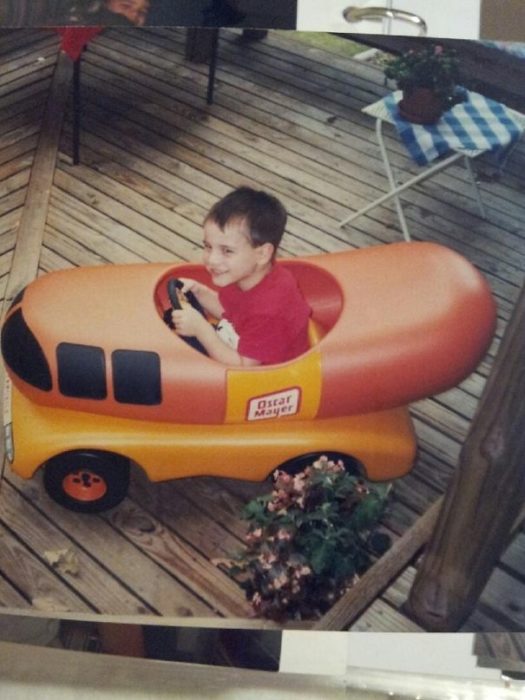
[297, 464]
[87, 482]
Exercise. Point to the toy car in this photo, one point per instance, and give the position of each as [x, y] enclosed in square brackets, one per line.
[97, 380]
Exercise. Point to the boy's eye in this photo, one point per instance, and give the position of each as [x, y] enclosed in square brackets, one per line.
[228, 251]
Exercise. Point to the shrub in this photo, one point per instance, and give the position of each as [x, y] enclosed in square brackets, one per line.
[309, 540]
[433, 67]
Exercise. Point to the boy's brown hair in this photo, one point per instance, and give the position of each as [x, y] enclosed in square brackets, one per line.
[263, 215]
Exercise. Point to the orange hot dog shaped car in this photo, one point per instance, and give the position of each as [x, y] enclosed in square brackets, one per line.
[99, 380]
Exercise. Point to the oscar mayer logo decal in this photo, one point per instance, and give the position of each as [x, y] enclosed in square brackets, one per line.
[281, 403]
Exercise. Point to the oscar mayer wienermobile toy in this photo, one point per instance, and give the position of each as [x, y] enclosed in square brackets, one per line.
[98, 381]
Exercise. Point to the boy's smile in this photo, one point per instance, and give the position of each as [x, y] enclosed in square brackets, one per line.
[230, 258]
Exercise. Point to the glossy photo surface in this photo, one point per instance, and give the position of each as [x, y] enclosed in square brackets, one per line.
[279, 14]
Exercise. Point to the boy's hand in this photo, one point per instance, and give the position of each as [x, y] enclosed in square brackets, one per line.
[190, 285]
[207, 297]
[189, 321]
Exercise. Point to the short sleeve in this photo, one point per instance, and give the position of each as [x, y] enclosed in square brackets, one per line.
[265, 339]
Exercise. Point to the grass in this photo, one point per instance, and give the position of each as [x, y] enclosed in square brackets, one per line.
[327, 42]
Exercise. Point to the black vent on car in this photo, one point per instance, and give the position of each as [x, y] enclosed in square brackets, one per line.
[23, 354]
[81, 371]
[136, 377]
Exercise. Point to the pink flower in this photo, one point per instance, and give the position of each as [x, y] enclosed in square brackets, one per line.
[438, 50]
[298, 483]
[280, 581]
[284, 535]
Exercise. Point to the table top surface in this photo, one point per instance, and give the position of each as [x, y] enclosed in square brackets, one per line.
[471, 127]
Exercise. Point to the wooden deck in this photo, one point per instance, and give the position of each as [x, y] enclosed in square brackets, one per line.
[154, 158]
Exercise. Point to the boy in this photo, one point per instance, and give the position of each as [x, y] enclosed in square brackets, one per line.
[264, 317]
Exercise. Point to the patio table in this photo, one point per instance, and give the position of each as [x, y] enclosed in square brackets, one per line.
[474, 126]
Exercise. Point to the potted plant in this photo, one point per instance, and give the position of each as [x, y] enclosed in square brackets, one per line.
[309, 540]
[427, 76]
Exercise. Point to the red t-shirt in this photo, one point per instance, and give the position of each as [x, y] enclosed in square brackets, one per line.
[271, 319]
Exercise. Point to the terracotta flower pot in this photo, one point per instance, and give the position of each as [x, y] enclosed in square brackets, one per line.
[421, 105]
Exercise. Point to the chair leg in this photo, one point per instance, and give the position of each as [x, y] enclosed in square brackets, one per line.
[76, 111]
[212, 66]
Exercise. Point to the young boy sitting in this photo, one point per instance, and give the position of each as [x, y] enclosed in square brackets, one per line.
[263, 315]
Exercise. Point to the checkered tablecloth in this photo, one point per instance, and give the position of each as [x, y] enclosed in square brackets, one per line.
[474, 126]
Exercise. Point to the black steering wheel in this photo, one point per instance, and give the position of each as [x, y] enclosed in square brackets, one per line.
[174, 289]
[174, 292]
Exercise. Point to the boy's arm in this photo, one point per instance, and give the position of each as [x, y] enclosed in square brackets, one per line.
[190, 322]
[208, 298]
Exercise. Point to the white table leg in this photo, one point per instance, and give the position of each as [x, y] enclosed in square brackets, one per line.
[392, 194]
[477, 193]
[396, 190]
[391, 179]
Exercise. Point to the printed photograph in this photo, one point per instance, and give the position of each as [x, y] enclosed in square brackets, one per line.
[262, 324]
[279, 14]
[72, 657]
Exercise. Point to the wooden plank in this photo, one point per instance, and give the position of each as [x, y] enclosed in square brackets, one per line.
[27, 573]
[15, 166]
[157, 590]
[22, 132]
[198, 526]
[102, 248]
[24, 64]
[357, 185]
[373, 581]
[504, 596]
[16, 43]
[12, 202]
[35, 101]
[124, 204]
[59, 673]
[18, 149]
[499, 650]
[81, 204]
[10, 597]
[214, 496]
[513, 558]
[483, 618]
[147, 132]
[31, 229]
[489, 474]
[8, 86]
[178, 558]
[101, 592]
[13, 100]
[381, 617]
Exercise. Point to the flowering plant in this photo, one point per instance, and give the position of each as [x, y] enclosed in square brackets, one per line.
[309, 540]
[433, 67]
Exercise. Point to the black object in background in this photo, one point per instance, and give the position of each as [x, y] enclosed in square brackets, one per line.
[270, 14]
[255, 649]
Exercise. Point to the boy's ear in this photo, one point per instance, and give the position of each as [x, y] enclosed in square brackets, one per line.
[265, 252]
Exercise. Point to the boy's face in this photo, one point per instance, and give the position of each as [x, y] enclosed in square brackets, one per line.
[230, 257]
[134, 10]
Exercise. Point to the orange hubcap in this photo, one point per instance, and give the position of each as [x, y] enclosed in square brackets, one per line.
[84, 485]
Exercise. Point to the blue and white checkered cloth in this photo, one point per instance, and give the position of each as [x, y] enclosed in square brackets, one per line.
[474, 126]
